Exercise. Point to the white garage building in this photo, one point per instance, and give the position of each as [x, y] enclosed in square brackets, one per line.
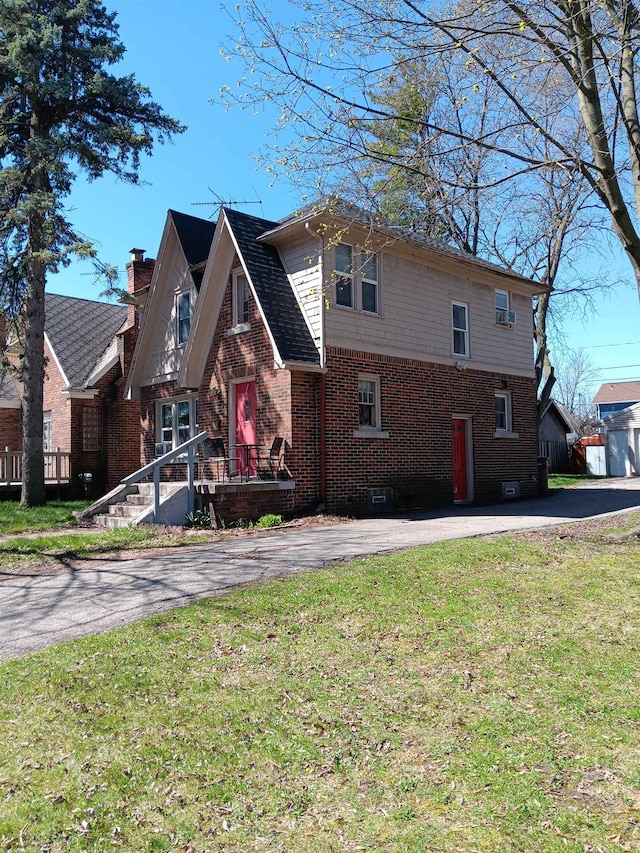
[623, 442]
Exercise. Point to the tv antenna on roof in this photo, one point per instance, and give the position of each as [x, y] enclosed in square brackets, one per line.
[220, 202]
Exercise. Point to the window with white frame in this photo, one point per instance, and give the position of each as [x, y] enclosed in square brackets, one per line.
[369, 283]
[46, 432]
[357, 278]
[240, 299]
[177, 421]
[502, 306]
[503, 413]
[460, 325]
[343, 274]
[368, 402]
[183, 316]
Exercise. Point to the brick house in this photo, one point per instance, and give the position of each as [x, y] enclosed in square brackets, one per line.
[88, 346]
[398, 370]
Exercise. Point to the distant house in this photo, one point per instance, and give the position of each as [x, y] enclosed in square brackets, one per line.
[622, 431]
[88, 346]
[613, 397]
[395, 370]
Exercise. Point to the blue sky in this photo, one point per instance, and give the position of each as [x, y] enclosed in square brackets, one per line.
[174, 49]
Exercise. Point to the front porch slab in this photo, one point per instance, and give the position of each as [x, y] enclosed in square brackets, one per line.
[235, 500]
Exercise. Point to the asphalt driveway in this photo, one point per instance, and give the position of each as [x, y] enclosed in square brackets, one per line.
[38, 611]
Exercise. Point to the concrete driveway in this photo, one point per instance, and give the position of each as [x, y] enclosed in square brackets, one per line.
[40, 610]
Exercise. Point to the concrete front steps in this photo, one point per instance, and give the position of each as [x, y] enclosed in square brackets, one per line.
[130, 506]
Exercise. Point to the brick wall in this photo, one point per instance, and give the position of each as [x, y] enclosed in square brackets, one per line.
[54, 402]
[231, 357]
[10, 429]
[418, 402]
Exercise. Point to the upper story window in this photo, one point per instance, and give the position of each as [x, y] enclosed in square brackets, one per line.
[240, 299]
[344, 275]
[357, 278]
[183, 316]
[370, 283]
[460, 325]
[504, 315]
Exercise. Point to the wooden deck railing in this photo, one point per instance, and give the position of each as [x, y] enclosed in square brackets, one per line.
[56, 467]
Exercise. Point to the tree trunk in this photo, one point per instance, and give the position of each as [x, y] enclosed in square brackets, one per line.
[33, 491]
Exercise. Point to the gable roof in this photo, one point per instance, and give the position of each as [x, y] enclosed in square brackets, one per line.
[618, 392]
[273, 291]
[567, 418]
[346, 211]
[79, 331]
[195, 236]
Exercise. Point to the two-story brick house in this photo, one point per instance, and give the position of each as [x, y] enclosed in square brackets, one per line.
[398, 371]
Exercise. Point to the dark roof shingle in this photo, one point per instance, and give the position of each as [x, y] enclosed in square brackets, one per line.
[195, 236]
[80, 330]
[281, 310]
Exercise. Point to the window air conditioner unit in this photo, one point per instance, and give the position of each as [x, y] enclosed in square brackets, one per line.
[163, 447]
[505, 318]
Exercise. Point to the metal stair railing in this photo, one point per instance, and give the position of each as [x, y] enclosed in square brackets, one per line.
[155, 466]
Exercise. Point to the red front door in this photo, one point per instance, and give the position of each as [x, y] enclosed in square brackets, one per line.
[459, 460]
[246, 427]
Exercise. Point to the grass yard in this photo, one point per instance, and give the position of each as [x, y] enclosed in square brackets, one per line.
[561, 481]
[17, 519]
[480, 695]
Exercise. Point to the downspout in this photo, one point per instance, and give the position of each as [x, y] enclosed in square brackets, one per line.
[323, 379]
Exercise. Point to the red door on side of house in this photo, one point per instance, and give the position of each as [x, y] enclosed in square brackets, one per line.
[459, 459]
[246, 428]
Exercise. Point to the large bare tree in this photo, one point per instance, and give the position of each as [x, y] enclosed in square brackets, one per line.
[459, 114]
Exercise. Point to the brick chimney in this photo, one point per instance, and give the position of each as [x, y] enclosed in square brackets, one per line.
[139, 274]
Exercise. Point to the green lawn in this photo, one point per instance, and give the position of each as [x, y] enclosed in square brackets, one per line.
[561, 481]
[16, 519]
[481, 695]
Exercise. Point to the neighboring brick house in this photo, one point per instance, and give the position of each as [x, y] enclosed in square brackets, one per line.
[88, 347]
[399, 371]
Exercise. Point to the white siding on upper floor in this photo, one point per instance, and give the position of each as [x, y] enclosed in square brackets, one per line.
[165, 356]
[302, 263]
[416, 318]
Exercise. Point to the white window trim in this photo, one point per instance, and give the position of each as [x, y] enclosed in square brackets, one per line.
[364, 280]
[466, 354]
[179, 296]
[502, 293]
[508, 431]
[372, 431]
[337, 274]
[238, 324]
[173, 401]
[357, 278]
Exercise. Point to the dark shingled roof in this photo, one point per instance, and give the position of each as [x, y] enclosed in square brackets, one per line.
[195, 236]
[9, 392]
[79, 331]
[281, 310]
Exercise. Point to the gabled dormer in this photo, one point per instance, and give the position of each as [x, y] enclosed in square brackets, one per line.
[171, 303]
[254, 267]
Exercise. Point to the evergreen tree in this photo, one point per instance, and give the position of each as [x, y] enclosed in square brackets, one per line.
[61, 113]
